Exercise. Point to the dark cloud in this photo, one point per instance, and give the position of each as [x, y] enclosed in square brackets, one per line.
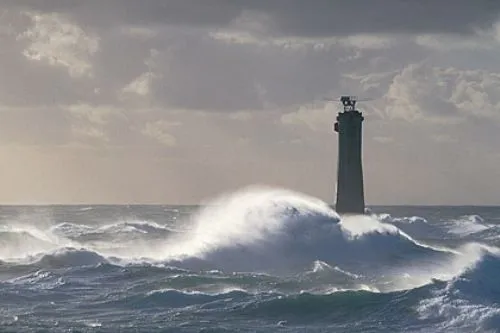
[288, 17]
[327, 17]
[204, 74]
[200, 73]
[189, 69]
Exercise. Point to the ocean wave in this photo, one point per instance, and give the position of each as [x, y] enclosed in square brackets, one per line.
[467, 225]
[254, 230]
[16, 243]
[144, 227]
[479, 280]
[69, 230]
[67, 257]
[121, 229]
[171, 298]
[465, 300]
[38, 277]
[277, 230]
[258, 258]
[469, 301]
[337, 307]
[416, 226]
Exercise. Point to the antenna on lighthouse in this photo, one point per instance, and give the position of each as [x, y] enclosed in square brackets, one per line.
[349, 102]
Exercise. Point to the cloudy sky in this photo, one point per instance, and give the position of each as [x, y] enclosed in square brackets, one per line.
[159, 101]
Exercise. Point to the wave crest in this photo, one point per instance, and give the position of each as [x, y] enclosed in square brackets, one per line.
[68, 257]
[469, 300]
[277, 230]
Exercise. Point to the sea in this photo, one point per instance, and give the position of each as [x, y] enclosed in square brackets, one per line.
[255, 260]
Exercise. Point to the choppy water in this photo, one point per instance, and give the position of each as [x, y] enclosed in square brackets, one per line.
[255, 261]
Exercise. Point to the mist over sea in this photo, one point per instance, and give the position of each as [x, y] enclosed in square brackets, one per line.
[257, 260]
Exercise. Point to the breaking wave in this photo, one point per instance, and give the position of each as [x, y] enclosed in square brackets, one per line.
[260, 254]
[256, 229]
[412, 225]
[469, 301]
[277, 230]
[467, 225]
[68, 257]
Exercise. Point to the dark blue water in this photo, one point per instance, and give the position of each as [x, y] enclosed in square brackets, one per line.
[257, 261]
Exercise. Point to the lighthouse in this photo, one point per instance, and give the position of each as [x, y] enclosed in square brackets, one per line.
[350, 192]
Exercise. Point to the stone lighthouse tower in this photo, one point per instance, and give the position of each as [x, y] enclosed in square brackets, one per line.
[350, 192]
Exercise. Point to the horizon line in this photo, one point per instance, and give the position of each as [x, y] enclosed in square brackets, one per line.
[201, 204]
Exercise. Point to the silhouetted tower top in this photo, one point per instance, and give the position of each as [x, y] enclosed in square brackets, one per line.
[349, 102]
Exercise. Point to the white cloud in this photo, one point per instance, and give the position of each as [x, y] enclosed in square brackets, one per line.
[446, 95]
[141, 85]
[445, 43]
[234, 37]
[94, 122]
[361, 42]
[477, 93]
[58, 41]
[419, 92]
[374, 42]
[140, 89]
[371, 85]
[255, 28]
[159, 130]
